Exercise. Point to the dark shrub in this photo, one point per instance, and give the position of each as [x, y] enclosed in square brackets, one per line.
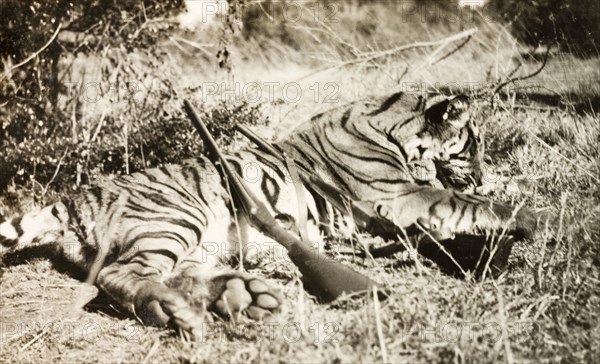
[574, 24]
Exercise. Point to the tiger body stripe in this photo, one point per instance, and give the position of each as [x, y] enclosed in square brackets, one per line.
[335, 146]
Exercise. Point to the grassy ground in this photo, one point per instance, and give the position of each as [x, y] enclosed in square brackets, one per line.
[543, 309]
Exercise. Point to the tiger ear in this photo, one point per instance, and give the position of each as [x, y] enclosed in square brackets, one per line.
[453, 110]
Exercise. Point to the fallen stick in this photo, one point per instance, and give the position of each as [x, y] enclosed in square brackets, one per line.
[370, 56]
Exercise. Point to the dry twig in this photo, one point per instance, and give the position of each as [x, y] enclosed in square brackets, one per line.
[370, 56]
[510, 80]
[32, 56]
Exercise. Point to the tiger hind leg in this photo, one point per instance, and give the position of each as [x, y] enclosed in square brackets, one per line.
[183, 300]
[138, 287]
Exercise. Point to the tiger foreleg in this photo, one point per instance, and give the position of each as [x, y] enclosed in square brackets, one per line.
[447, 212]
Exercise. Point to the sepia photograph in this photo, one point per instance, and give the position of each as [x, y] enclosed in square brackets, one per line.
[299, 181]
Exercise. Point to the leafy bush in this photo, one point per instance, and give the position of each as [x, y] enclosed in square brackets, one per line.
[119, 148]
[48, 132]
[25, 27]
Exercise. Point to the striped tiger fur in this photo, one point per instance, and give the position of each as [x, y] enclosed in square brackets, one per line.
[166, 232]
[409, 156]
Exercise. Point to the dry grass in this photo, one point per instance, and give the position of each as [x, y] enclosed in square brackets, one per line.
[543, 309]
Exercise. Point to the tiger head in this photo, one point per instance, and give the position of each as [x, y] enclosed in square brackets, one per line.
[449, 142]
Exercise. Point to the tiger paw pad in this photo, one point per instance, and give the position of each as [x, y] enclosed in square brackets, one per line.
[244, 296]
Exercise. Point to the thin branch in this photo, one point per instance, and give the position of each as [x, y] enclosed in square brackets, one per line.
[199, 46]
[533, 74]
[456, 49]
[60, 162]
[260, 5]
[33, 55]
[176, 44]
[375, 55]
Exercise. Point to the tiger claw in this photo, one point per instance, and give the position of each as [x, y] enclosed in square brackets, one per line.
[170, 307]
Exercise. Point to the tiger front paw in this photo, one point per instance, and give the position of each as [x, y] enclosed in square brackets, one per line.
[242, 295]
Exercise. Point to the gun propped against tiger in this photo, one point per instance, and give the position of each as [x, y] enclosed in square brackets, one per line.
[327, 278]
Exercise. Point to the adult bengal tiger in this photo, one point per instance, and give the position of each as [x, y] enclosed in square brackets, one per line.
[167, 231]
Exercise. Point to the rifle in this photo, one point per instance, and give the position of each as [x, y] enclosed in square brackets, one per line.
[327, 278]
